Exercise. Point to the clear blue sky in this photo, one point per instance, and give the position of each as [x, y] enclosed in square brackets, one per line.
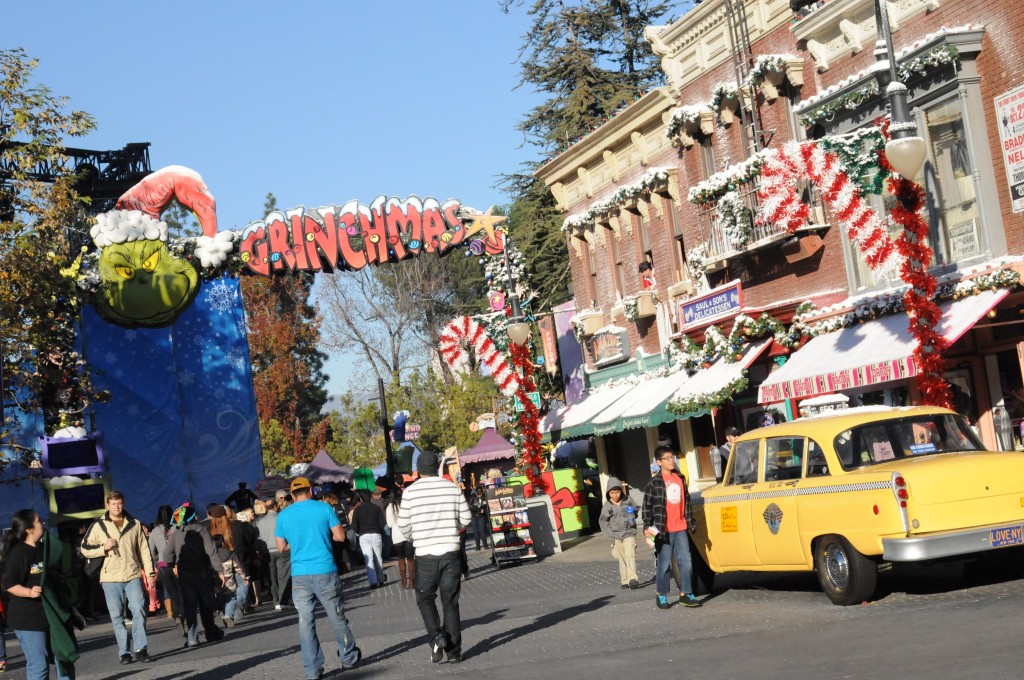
[317, 102]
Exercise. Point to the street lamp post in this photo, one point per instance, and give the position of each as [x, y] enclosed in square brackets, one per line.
[905, 148]
[518, 329]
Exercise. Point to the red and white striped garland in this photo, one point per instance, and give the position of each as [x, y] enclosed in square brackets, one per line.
[781, 204]
[464, 329]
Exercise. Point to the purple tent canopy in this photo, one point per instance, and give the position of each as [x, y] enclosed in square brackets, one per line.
[324, 469]
[492, 446]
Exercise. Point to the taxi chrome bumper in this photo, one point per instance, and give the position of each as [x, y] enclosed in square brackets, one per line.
[949, 543]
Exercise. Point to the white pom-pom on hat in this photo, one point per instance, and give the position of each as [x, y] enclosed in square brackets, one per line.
[213, 250]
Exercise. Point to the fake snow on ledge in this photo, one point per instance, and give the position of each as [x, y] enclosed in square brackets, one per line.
[607, 203]
[879, 65]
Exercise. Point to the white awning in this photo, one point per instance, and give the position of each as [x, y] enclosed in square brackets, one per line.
[721, 373]
[574, 420]
[643, 406]
[867, 354]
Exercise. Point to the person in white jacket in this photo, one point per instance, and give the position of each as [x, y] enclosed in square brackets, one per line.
[432, 513]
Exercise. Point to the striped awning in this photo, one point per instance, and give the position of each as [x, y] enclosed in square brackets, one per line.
[869, 354]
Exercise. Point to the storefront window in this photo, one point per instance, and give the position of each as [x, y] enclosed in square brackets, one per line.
[950, 182]
[951, 208]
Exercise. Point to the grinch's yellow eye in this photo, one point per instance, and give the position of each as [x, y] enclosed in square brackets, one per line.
[127, 273]
[150, 264]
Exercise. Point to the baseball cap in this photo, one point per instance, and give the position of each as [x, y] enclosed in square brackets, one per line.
[299, 483]
[281, 493]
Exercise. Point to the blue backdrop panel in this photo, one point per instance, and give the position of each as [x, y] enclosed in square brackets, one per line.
[181, 423]
[20, 487]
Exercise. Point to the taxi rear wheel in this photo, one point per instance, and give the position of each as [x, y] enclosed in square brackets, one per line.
[846, 576]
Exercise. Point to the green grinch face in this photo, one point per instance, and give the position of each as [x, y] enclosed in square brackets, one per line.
[143, 284]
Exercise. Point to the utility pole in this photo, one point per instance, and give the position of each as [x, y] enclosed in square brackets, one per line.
[389, 458]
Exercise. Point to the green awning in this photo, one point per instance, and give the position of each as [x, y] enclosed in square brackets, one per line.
[646, 405]
[575, 421]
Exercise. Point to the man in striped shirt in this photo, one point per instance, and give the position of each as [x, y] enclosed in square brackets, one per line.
[433, 511]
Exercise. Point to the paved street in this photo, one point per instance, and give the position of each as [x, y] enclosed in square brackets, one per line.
[567, 617]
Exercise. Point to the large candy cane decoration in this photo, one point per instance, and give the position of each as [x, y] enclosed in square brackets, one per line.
[464, 329]
[780, 204]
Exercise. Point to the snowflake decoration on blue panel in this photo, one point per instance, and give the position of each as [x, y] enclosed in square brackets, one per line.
[237, 359]
[186, 378]
[110, 358]
[221, 297]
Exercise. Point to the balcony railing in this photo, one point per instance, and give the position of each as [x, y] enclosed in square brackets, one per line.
[724, 241]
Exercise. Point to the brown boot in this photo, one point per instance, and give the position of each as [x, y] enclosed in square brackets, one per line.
[410, 571]
[401, 571]
[167, 608]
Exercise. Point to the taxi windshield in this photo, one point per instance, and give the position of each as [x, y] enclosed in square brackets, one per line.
[885, 440]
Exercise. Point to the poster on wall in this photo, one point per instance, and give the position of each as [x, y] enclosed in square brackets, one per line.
[1010, 120]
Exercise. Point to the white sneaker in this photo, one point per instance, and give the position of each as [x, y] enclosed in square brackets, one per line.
[277, 607]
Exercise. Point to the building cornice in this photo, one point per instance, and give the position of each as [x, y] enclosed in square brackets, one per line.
[644, 113]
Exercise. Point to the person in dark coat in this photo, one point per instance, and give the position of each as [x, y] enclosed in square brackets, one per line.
[192, 554]
[369, 522]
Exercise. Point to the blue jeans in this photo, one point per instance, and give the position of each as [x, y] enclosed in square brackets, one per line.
[326, 588]
[235, 607]
[442, 573]
[115, 594]
[666, 545]
[36, 649]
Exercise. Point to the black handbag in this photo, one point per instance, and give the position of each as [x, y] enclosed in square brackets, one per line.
[93, 565]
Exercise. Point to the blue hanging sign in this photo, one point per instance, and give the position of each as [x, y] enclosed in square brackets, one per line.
[724, 301]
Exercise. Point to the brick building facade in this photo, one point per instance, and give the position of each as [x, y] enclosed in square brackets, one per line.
[663, 180]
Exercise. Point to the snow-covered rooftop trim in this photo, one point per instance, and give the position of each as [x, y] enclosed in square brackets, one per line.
[924, 42]
[623, 194]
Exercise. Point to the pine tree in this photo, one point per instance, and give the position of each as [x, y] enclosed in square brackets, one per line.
[590, 57]
[287, 366]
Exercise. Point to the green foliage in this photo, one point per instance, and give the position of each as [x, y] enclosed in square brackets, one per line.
[442, 409]
[277, 448]
[536, 230]
[590, 58]
[42, 369]
[181, 222]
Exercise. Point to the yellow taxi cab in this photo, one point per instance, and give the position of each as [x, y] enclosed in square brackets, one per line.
[843, 493]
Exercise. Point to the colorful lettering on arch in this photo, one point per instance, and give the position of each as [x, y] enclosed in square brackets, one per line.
[353, 235]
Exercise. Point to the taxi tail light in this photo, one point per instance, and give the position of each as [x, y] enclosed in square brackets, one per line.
[901, 494]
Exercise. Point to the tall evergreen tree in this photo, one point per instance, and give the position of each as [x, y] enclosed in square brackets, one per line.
[287, 366]
[591, 59]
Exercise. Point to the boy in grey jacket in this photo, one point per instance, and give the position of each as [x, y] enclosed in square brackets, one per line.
[618, 524]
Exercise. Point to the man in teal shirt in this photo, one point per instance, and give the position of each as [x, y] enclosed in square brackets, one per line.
[306, 527]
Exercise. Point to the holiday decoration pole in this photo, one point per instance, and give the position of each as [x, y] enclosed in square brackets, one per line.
[388, 456]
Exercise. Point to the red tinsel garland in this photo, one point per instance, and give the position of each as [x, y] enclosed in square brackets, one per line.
[922, 310]
[780, 204]
[528, 421]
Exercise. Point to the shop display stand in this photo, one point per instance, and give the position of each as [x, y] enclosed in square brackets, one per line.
[509, 521]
